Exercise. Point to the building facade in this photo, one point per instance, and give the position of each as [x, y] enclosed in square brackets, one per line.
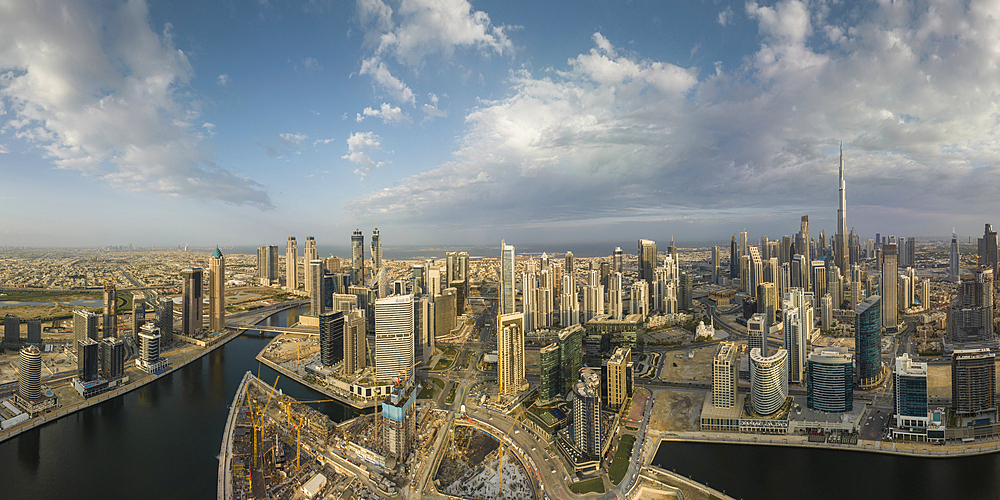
[830, 380]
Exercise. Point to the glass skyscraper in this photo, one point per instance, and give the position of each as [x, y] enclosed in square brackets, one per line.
[868, 341]
[829, 380]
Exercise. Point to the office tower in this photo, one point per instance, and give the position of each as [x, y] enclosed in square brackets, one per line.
[905, 292]
[84, 325]
[87, 359]
[953, 269]
[424, 328]
[826, 312]
[665, 291]
[587, 413]
[355, 350]
[217, 291]
[569, 263]
[557, 274]
[743, 243]
[764, 247]
[818, 277]
[971, 314]
[853, 247]
[569, 306]
[756, 271]
[34, 331]
[802, 247]
[138, 314]
[605, 271]
[510, 350]
[767, 301]
[868, 342]
[988, 255]
[394, 344]
[11, 330]
[857, 295]
[909, 257]
[445, 312]
[571, 355]
[451, 267]
[757, 330]
[593, 299]
[29, 382]
[292, 265]
[529, 300]
[618, 377]
[685, 292]
[267, 264]
[357, 257]
[887, 288]
[830, 384]
[639, 298]
[463, 267]
[112, 358]
[768, 381]
[734, 259]
[615, 295]
[164, 320]
[316, 302]
[647, 260]
[550, 385]
[506, 278]
[110, 316]
[715, 265]
[419, 277]
[309, 254]
[745, 279]
[399, 423]
[433, 281]
[725, 375]
[331, 337]
[191, 305]
[821, 244]
[785, 254]
[925, 293]
[376, 250]
[840, 250]
[797, 317]
[618, 264]
[973, 381]
[543, 300]
[909, 400]
[149, 350]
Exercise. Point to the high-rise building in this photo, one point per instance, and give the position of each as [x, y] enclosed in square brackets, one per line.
[725, 375]
[399, 423]
[110, 309]
[768, 381]
[267, 264]
[954, 273]
[376, 250]
[149, 350]
[419, 277]
[910, 396]
[29, 380]
[587, 413]
[888, 287]
[569, 306]
[802, 248]
[355, 347]
[451, 267]
[164, 320]
[639, 299]
[785, 254]
[506, 278]
[112, 358]
[510, 350]
[734, 259]
[394, 338]
[715, 265]
[445, 316]
[618, 377]
[87, 359]
[647, 260]
[331, 337]
[34, 331]
[757, 328]
[685, 292]
[909, 256]
[570, 355]
[292, 264]
[743, 243]
[618, 261]
[192, 302]
[797, 317]
[767, 301]
[217, 291]
[826, 312]
[840, 239]
[138, 314]
[973, 381]
[971, 314]
[868, 342]
[569, 264]
[830, 380]
[84, 325]
[309, 254]
[11, 330]
[988, 251]
[550, 385]
[755, 272]
[357, 257]
[318, 292]
[615, 296]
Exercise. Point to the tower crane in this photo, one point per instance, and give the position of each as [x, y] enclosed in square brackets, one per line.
[500, 456]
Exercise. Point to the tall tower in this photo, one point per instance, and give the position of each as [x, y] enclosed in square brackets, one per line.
[506, 278]
[376, 250]
[394, 338]
[841, 238]
[357, 256]
[191, 302]
[110, 309]
[888, 286]
[510, 350]
[292, 264]
[953, 272]
[217, 291]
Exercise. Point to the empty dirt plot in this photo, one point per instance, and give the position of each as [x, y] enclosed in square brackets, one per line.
[679, 367]
[469, 469]
[676, 411]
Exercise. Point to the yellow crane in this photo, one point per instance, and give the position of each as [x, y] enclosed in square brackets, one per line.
[500, 456]
[298, 443]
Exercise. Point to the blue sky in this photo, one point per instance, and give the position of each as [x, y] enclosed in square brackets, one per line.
[449, 122]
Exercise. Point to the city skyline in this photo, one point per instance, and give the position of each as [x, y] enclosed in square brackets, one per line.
[427, 119]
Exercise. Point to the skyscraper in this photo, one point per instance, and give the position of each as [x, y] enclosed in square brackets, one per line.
[953, 269]
[615, 295]
[550, 381]
[11, 330]
[394, 338]
[506, 278]
[971, 315]
[830, 381]
[569, 263]
[355, 348]
[376, 250]
[797, 317]
[618, 377]
[725, 375]
[510, 350]
[292, 264]
[110, 309]
[358, 256]
[840, 243]
[217, 291]
[331, 337]
[88, 359]
[888, 287]
[267, 264]
[29, 382]
[570, 355]
[715, 265]
[617, 262]
[647, 260]
[309, 254]
[802, 248]
[988, 252]
[84, 325]
[973, 381]
[112, 358]
[587, 413]
[318, 292]
[164, 320]
[756, 271]
[768, 381]
[149, 350]
[757, 330]
[138, 314]
[910, 396]
[868, 342]
[191, 301]
[734, 259]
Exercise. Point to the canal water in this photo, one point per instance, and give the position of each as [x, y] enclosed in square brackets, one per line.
[158, 441]
[772, 472]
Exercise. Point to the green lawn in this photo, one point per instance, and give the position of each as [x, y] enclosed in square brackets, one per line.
[451, 395]
[622, 458]
[593, 485]
[427, 392]
[438, 382]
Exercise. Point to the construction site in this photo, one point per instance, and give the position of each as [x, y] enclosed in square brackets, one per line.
[470, 468]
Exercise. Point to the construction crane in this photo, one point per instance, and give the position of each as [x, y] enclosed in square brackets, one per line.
[298, 442]
[500, 456]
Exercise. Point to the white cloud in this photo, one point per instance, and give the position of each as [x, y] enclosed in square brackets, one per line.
[223, 80]
[98, 91]
[726, 16]
[431, 112]
[359, 146]
[387, 112]
[613, 135]
[311, 64]
[394, 86]
[290, 139]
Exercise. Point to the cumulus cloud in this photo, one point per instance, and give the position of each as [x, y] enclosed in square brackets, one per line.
[359, 146]
[223, 80]
[293, 139]
[387, 112]
[381, 75]
[99, 91]
[912, 91]
[726, 16]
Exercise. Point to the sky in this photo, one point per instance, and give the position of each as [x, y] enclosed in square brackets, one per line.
[449, 122]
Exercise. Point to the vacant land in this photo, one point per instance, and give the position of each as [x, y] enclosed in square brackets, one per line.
[676, 411]
[677, 367]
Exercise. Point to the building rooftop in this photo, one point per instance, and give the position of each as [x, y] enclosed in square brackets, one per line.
[217, 253]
